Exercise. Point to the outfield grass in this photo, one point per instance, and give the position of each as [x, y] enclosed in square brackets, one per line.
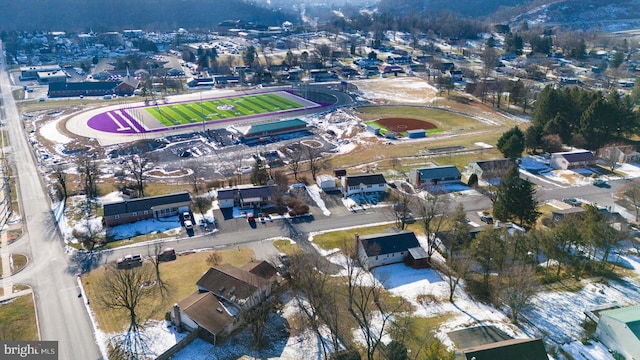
[194, 112]
[444, 120]
[180, 277]
[18, 319]
[384, 130]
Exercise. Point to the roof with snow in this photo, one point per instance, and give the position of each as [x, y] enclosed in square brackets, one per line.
[145, 203]
[390, 241]
[273, 127]
[206, 311]
[366, 179]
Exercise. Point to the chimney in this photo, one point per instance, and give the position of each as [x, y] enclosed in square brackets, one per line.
[177, 321]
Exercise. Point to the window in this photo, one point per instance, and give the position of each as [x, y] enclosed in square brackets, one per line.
[116, 216]
[135, 213]
[370, 186]
[146, 212]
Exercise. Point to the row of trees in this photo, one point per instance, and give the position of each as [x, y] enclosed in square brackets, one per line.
[582, 118]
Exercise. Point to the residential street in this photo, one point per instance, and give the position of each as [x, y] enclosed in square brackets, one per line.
[61, 314]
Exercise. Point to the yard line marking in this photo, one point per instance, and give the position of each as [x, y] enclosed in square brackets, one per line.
[120, 127]
[127, 120]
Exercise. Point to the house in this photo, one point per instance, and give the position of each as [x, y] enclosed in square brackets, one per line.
[439, 175]
[513, 349]
[235, 285]
[85, 88]
[153, 207]
[363, 184]
[244, 197]
[46, 77]
[572, 160]
[619, 330]
[203, 311]
[561, 214]
[389, 247]
[326, 182]
[262, 269]
[619, 154]
[31, 72]
[201, 83]
[490, 169]
[271, 129]
[127, 86]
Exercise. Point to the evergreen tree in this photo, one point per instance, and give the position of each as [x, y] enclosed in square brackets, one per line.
[511, 143]
[515, 200]
[259, 175]
[532, 138]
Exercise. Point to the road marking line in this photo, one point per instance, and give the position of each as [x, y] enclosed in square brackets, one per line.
[120, 127]
[127, 120]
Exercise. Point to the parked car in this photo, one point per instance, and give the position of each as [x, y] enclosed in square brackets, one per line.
[250, 218]
[284, 259]
[572, 201]
[408, 219]
[600, 183]
[167, 254]
[186, 216]
[188, 225]
[129, 261]
[486, 219]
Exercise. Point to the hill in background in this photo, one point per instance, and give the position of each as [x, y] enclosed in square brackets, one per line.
[103, 15]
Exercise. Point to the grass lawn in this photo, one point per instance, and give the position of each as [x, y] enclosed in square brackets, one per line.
[337, 239]
[217, 109]
[19, 262]
[286, 246]
[179, 275]
[18, 319]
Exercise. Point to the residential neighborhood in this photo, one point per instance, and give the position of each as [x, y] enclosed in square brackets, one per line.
[346, 184]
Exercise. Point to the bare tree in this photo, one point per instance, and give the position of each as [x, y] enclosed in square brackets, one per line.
[195, 176]
[137, 165]
[457, 239]
[401, 209]
[364, 299]
[61, 178]
[313, 155]
[155, 261]
[520, 285]
[203, 203]
[433, 212]
[631, 192]
[89, 236]
[295, 157]
[609, 154]
[257, 318]
[88, 168]
[127, 290]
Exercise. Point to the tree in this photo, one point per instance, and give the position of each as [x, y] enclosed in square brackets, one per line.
[89, 172]
[257, 318]
[249, 55]
[324, 52]
[295, 157]
[127, 290]
[401, 209]
[314, 157]
[259, 174]
[489, 252]
[137, 165]
[609, 154]
[551, 143]
[61, 179]
[631, 193]
[433, 212]
[513, 43]
[515, 199]
[89, 235]
[473, 180]
[457, 265]
[155, 261]
[618, 59]
[520, 285]
[511, 143]
[532, 138]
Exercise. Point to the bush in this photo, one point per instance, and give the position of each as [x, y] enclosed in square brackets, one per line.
[473, 180]
[214, 259]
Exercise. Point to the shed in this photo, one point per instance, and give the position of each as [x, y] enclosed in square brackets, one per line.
[326, 182]
[373, 129]
[418, 258]
[416, 133]
[619, 330]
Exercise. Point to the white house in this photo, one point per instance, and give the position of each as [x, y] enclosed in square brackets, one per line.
[434, 176]
[363, 184]
[389, 247]
[619, 330]
[572, 160]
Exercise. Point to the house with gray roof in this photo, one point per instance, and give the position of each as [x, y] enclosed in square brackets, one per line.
[235, 285]
[272, 128]
[203, 311]
[439, 175]
[572, 160]
[153, 207]
[619, 331]
[490, 169]
[363, 184]
[388, 247]
[513, 349]
[249, 196]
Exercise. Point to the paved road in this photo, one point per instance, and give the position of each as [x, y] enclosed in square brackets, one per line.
[61, 314]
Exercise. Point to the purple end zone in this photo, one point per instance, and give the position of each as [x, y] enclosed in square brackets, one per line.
[116, 121]
[121, 122]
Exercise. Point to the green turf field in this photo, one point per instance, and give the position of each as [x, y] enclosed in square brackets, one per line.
[193, 112]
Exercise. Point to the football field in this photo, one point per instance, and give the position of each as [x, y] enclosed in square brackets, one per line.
[222, 108]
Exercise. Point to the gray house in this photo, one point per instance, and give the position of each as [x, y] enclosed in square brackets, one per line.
[421, 178]
[131, 210]
[388, 247]
[490, 169]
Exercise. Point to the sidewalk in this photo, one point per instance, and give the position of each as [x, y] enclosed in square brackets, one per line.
[5, 255]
